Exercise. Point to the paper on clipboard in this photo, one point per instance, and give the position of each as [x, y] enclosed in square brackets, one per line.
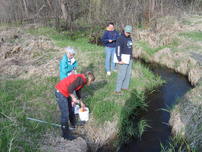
[124, 58]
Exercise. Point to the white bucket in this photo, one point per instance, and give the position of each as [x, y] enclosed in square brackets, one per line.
[84, 116]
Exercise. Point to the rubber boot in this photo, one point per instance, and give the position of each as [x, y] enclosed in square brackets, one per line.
[66, 133]
[72, 120]
[72, 117]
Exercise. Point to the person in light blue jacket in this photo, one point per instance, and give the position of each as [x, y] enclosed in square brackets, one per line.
[68, 64]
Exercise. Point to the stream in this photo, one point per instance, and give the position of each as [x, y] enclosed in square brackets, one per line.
[162, 98]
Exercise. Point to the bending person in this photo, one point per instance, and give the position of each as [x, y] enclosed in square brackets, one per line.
[66, 99]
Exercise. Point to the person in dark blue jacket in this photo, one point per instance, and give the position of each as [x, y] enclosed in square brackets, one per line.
[68, 64]
[124, 59]
[109, 40]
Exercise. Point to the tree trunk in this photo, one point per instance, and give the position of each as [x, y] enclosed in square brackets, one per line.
[162, 12]
[64, 9]
[25, 8]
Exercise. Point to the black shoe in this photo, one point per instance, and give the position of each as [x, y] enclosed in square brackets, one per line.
[66, 133]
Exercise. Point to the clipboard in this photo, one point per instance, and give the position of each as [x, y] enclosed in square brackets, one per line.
[124, 57]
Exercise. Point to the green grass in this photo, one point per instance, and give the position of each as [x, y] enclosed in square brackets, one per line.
[144, 79]
[145, 46]
[186, 22]
[102, 97]
[130, 124]
[177, 144]
[190, 48]
[21, 99]
[104, 105]
[151, 51]
[35, 97]
[105, 93]
[195, 36]
[64, 39]
[14, 24]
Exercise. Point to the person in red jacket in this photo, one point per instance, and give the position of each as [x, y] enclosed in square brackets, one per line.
[66, 99]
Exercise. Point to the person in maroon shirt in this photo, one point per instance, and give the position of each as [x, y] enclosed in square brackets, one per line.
[66, 99]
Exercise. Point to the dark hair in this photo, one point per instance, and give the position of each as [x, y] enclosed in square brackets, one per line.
[90, 76]
[110, 23]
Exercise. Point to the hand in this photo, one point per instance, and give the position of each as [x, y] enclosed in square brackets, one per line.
[110, 41]
[121, 62]
[75, 100]
[82, 104]
[73, 104]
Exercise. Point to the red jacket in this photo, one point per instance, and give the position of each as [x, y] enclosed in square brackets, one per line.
[72, 83]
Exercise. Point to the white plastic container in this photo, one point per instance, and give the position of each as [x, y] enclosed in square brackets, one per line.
[84, 116]
[76, 109]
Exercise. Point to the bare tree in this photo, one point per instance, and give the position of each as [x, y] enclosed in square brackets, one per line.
[95, 12]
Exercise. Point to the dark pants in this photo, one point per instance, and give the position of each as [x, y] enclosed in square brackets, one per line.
[66, 109]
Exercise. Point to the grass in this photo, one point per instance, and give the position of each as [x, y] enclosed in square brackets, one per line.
[103, 104]
[35, 97]
[130, 124]
[104, 94]
[145, 46]
[177, 144]
[64, 39]
[186, 22]
[14, 24]
[195, 36]
[151, 51]
[21, 99]
[188, 48]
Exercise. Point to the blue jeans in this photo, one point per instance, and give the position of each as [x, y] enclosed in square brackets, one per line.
[124, 74]
[66, 109]
[109, 59]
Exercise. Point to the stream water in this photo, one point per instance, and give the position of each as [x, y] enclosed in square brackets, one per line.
[163, 98]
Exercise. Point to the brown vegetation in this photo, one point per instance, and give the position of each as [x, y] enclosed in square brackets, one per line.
[136, 12]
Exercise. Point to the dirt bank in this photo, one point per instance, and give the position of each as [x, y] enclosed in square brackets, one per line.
[166, 45]
[186, 117]
[175, 43]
